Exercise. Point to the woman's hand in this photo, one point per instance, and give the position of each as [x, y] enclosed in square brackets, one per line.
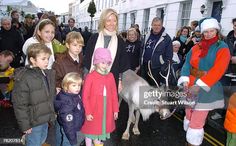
[194, 90]
[115, 115]
[28, 131]
[89, 117]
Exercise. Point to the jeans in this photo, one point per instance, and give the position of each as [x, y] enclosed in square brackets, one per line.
[62, 140]
[38, 135]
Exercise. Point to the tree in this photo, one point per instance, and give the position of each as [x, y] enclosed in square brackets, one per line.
[9, 9]
[92, 10]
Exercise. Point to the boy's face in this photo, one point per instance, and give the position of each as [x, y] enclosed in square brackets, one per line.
[74, 48]
[74, 88]
[7, 59]
[40, 61]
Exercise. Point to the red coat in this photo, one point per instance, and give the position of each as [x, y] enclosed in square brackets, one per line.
[92, 98]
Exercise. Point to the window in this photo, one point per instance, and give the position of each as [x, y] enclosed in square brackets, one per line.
[117, 2]
[185, 13]
[146, 19]
[133, 17]
[124, 21]
[160, 13]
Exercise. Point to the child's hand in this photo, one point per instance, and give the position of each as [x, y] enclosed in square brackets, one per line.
[120, 86]
[28, 131]
[115, 115]
[58, 89]
[89, 117]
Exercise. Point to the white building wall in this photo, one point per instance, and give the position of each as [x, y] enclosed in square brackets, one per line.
[171, 12]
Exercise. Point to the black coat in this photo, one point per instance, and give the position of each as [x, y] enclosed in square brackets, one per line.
[70, 117]
[32, 97]
[133, 50]
[121, 61]
[13, 41]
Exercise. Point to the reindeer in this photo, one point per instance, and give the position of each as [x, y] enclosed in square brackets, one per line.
[132, 83]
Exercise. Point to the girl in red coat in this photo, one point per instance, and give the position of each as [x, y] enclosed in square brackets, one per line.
[100, 100]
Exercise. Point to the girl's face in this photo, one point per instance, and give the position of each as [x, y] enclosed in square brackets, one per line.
[40, 61]
[209, 33]
[102, 67]
[132, 37]
[74, 88]
[47, 33]
[184, 32]
[74, 48]
[111, 23]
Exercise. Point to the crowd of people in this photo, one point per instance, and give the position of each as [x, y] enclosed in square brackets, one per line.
[71, 78]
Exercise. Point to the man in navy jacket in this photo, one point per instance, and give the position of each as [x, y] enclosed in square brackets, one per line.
[158, 50]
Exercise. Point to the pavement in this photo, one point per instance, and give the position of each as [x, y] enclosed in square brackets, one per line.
[154, 132]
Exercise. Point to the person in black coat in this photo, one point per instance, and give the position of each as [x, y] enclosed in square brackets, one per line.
[133, 49]
[86, 35]
[107, 38]
[11, 39]
[69, 28]
[70, 110]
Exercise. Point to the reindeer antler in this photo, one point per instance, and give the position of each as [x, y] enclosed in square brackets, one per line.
[150, 73]
[167, 76]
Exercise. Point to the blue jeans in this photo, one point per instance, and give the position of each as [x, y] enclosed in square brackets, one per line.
[38, 135]
[62, 140]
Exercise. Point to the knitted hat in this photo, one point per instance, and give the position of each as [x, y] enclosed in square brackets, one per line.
[28, 16]
[102, 55]
[207, 23]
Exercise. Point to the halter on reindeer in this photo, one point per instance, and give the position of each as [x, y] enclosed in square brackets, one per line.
[131, 93]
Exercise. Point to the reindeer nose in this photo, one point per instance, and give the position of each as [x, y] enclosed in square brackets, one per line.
[164, 113]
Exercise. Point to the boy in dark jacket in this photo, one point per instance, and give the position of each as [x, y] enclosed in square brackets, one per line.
[33, 94]
[70, 110]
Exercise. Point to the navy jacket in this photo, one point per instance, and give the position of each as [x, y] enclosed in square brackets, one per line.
[71, 115]
[162, 52]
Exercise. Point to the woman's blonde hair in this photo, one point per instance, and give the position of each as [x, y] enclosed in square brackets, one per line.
[105, 14]
[71, 36]
[69, 78]
[132, 29]
[40, 26]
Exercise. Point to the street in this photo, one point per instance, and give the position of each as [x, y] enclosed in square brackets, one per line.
[154, 132]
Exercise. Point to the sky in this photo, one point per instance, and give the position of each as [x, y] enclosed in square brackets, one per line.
[57, 6]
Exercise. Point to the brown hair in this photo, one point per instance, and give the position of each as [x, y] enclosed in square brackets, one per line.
[71, 36]
[7, 53]
[35, 49]
[40, 26]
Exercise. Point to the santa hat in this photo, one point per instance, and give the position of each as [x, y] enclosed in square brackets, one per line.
[207, 23]
[102, 55]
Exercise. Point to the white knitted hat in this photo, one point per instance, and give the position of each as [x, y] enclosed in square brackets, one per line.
[209, 23]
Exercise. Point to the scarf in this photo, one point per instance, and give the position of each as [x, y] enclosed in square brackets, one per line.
[205, 45]
[112, 46]
[183, 38]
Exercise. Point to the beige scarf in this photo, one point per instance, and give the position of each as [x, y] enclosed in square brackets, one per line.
[112, 46]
